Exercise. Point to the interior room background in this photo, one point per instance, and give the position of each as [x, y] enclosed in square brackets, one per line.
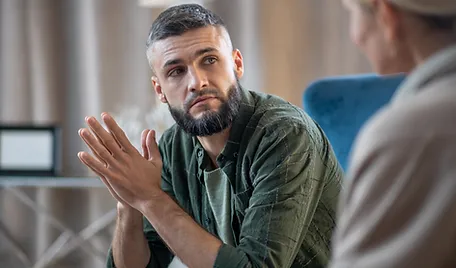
[61, 60]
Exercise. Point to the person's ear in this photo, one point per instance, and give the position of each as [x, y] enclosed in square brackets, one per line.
[388, 18]
[238, 63]
[158, 89]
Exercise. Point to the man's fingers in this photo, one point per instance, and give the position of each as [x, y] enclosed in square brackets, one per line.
[98, 149]
[118, 133]
[95, 165]
[154, 153]
[92, 150]
[104, 137]
[103, 179]
[144, 144]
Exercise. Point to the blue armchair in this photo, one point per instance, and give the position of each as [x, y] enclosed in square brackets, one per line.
[341, 105]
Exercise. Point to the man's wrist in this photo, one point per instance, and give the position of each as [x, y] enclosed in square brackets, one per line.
[128, 216]
[155, 200]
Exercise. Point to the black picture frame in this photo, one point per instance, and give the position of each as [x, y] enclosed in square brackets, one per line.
[52, 171]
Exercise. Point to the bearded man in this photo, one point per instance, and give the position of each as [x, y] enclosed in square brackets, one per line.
[243, 179]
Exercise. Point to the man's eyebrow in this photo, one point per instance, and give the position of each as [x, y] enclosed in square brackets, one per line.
[197, 54]
[172, 62]
[204, 51]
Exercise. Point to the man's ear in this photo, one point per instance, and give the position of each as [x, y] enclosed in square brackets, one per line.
[158, 89]
[388, 17]
[238, 63]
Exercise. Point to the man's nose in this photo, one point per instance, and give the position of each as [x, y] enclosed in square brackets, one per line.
[198, 80]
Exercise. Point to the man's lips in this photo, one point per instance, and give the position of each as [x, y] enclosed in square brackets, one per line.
[201, 99]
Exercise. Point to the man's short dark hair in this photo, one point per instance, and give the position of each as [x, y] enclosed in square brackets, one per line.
[179, 19]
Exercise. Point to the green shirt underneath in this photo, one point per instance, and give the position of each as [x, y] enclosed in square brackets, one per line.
[285, 183]
[218, 190]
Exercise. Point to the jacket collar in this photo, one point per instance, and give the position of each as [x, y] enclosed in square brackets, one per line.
[438, 65]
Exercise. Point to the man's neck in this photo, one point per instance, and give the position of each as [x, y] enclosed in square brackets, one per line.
[214, 144]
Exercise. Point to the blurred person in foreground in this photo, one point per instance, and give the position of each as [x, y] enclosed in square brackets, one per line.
[243, 179]
[399, 206]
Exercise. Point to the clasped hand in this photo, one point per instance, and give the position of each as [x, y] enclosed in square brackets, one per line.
[133, 179]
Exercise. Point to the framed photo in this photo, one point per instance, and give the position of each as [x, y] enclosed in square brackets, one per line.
[29, 150]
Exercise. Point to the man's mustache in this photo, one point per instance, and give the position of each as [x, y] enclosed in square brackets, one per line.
[209, 91]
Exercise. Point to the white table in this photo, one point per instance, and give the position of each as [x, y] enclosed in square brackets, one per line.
[68, 240]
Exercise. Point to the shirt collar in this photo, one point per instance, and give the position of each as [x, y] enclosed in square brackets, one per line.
[246, 110]
[238, 127]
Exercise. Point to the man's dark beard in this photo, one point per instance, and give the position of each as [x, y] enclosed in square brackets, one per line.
[210, 122]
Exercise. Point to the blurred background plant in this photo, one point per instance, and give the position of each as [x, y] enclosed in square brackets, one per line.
[133, 120]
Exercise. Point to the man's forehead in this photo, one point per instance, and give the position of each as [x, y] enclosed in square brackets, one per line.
[191, 41]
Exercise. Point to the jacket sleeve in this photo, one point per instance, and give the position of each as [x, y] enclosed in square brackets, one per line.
[399, 206]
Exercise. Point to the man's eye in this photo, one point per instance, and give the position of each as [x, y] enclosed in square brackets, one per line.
[175, 72]
[210, 60]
